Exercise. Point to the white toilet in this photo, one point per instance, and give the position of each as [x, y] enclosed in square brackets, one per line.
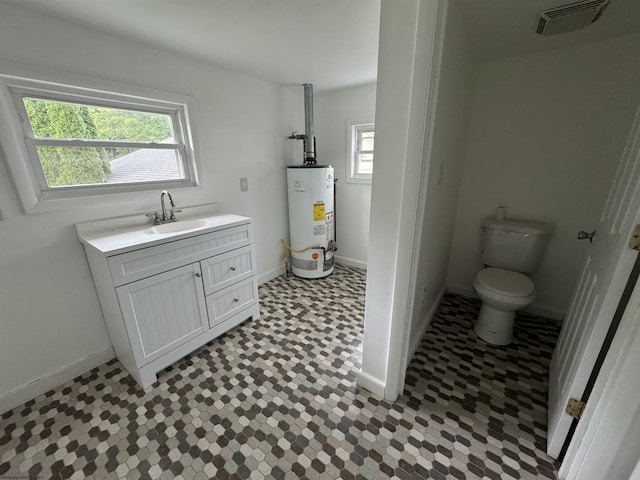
[509, 248]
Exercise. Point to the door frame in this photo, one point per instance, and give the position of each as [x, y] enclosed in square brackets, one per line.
[400, 351]
[401, 118]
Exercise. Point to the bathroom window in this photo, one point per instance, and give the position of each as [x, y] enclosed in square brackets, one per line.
[79, 142]
[362, 141]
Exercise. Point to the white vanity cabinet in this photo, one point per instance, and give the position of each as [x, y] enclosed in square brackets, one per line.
[165, 297]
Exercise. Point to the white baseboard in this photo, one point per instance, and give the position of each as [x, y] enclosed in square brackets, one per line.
[544, 311]
[464, 291]
[415, 342]
[31, 390]
[350, 262]
[371, 383]
[270, 275]
[535, 309]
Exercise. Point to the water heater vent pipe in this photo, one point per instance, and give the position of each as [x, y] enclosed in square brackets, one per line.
[310, 139]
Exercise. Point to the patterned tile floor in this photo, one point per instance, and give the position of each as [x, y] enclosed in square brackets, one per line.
[276, 398]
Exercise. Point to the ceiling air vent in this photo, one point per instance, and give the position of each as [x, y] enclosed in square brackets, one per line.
[568, 18]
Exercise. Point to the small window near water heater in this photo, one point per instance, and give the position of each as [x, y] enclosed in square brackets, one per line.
[362, 143]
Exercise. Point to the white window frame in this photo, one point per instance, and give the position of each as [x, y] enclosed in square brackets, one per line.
[19, 143]
[355, 130]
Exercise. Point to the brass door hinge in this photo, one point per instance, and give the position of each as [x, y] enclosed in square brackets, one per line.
[575, 408]
[634, 241]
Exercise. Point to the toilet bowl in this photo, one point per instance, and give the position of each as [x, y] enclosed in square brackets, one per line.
[502, 292]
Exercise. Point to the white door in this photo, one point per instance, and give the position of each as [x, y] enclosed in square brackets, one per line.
[609, 436]
[603, 278]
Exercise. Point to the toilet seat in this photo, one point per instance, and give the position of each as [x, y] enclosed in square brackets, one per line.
[505, 282]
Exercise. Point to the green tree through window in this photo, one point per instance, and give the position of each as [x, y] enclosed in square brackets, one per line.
[67, 165]
[73, 165]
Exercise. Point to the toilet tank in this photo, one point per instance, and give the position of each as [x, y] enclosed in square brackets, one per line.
[513, 244]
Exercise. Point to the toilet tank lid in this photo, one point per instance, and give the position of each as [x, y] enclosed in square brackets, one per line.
[520, 226]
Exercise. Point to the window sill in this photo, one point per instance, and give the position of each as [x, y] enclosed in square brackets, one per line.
[359, 180]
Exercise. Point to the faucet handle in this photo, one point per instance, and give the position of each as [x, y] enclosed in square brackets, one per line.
[156, 217]
[172, 216]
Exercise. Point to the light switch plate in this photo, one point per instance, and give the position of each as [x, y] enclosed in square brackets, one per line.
[244, 184]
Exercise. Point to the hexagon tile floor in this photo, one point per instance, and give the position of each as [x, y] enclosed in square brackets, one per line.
[276, 398]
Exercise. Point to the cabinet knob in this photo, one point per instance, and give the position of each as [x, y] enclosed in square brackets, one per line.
[198, 274]
[235, 300]
[233, 269]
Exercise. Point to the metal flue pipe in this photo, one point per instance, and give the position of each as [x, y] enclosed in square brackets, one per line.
[309, 143]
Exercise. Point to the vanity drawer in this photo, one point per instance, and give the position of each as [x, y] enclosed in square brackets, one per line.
[223, 270]
[132, 266]
[226, 303]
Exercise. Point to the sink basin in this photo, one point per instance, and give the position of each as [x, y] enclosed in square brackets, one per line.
[177, 227]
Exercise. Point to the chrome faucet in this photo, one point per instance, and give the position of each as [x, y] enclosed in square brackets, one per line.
[163, 195]
[164, 218]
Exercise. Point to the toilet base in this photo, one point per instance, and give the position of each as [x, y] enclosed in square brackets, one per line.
[495, 326]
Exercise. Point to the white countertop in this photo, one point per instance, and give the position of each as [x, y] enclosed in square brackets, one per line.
[114, 236]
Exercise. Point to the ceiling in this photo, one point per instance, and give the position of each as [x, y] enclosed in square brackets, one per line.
[504, 28]
[330, 43]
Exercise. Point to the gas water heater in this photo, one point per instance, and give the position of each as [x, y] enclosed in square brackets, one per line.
[310, 189]
[311, 220]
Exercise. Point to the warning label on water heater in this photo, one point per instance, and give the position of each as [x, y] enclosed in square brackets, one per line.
[318, 212]
[329, 226]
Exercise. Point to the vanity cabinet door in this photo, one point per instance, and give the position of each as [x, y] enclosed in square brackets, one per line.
[163, 312]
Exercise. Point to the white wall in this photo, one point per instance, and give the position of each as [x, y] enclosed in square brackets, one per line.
[49, 313]
[547, 131]
[446, 149]
[407, 32]
[334, 112]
